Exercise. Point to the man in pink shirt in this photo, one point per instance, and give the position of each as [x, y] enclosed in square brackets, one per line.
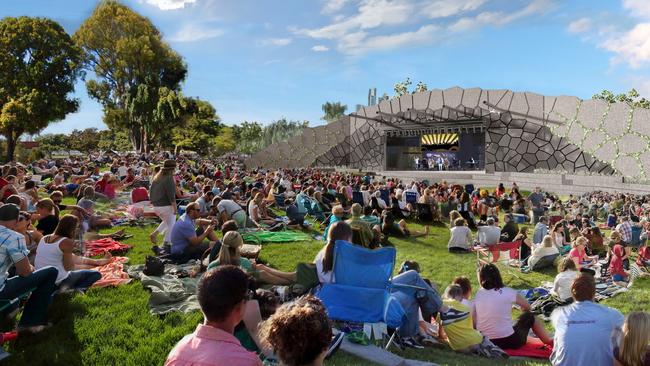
[223, 293]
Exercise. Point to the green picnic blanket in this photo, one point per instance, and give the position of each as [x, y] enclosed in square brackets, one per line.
[259, 237]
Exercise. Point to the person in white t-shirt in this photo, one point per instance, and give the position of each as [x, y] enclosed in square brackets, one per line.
[492, 312]
[567, 273]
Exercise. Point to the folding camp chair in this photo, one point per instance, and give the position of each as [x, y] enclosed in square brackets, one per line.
[385, 195]
[411, 197]
[636, 236]
[279, 200]
[469, 188]
[7, 304]
[492, 253]
[424, 213]
[361, 292]
[357, 197]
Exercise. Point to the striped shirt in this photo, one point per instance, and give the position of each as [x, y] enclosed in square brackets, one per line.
[12, 251]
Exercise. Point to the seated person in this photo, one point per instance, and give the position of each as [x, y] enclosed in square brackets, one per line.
[541, 230]
[299, 332]
[510, 229]
[13, 253]
[370, 217]
[255, 211]
[492, 312]
[32, 236]
[398, 229]
[460, 238]
[223, 295]
[567, 273]
[584, 320]
[579, 255]
[616, 269]
[489, 234]
[633, 347]
[466, 286]
[545, 248]
[230, 210]
[47, 214]
[230, 254]
[337, 215]
[460, 333]
[368, 237]
[56, 250]
[186, 244]
[643, 256]
[296, 218]
[205, 201]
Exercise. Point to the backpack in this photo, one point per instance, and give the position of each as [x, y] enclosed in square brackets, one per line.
[139, 194]
[153, 266]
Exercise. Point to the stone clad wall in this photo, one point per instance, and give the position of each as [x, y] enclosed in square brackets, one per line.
[524, 131]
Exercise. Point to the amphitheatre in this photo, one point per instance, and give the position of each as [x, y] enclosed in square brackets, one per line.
[437, 226]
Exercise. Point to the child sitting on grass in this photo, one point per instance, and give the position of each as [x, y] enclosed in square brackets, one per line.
[460, 333]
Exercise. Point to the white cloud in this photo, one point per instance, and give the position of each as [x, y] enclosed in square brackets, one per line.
[170, 4]
[500, 18]
[275, 42]
[194, 33]
[320, 48]
[632, 47]
[424, 34]
[580, 25]
[332, 6]
[447, 8]
[384, 24]
[639, 8]
[371, 14]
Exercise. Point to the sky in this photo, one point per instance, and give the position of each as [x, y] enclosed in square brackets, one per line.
[257, 60]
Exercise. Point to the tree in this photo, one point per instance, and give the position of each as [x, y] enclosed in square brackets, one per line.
[52, 142]
[333, 111]
[138, 76]
[225, 141]
[84, 140]
[117, 140]
[200, 128]
[281, 130]
[39, 65]
[402, 88]
[248, 137]
[632, 98]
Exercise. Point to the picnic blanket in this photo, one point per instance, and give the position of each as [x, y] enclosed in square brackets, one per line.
[534, 348]
[169, 292]
[113, 273]
[100, 246]
[259, 237]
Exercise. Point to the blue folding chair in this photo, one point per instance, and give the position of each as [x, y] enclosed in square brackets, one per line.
[385, 195]
[411, 197]
[279, 200]
[636, 236]
[357, 197]
[361, 292]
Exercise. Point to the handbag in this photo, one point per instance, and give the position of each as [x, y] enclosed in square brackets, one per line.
[153, 266]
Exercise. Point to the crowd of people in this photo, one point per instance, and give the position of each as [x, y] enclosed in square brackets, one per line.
[205, 205]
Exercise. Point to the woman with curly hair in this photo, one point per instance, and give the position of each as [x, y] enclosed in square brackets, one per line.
[299, 333]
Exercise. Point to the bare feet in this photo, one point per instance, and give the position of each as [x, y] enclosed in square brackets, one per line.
[153, 237]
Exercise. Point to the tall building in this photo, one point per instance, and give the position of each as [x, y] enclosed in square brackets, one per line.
[372, 99]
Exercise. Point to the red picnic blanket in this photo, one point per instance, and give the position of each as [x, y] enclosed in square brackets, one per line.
[113, 273]
[534, 348]
[101, 246]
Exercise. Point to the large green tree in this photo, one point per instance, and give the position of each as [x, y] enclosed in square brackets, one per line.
[333, 111]
[248, 136]
[39, 64]
[199, 129]
[137, 74]
[84, 140]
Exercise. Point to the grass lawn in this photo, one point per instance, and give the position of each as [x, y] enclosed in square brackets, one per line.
[112, 326]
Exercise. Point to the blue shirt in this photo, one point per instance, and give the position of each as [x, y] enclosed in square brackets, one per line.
[584, 334]
[183, 230]
[12, 251]
[541, 230]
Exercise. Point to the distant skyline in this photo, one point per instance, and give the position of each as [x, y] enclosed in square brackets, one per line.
[264, 60]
